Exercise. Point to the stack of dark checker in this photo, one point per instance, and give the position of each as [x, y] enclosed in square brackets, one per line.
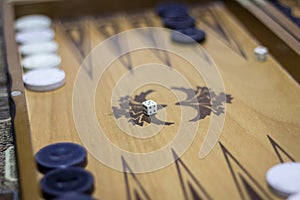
[175, 16]
[287, 11]
[64, 177]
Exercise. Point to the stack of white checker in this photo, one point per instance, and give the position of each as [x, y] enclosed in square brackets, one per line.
[284, 179]
[38, 50]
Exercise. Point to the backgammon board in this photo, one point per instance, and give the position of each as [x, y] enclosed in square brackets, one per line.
[223, 118]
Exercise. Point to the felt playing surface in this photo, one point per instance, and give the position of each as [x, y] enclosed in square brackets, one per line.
[261, 110]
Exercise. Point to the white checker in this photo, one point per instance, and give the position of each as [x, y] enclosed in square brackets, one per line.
[34, 36]
[41, 61]
[30, 22]
[294, 197]
[284, 178]
[44, 79]
[149, 107]
[261, 53]
[38, 48]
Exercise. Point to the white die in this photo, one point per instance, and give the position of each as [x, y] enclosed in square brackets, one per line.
[149, 107]
[260, 53]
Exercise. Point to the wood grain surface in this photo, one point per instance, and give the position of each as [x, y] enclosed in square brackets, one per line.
[261, 109]
[264, 19]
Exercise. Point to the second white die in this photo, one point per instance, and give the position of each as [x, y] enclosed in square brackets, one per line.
[149, 107]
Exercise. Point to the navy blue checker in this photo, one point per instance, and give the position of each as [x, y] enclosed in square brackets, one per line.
[287, 11]
[61, 155]
[61, 181]
[283, 8]
[296, 20]
[179, 23]
[74, 196]
[171, 10]
[187, 36]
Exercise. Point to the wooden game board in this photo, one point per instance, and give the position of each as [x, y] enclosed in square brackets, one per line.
[260, 111]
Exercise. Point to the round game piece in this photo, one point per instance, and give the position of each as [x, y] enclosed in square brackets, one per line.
[37, 35]
[294, 196]
[284, 178]
[42, 80]
[179, 23]
[171, 10]
[284, 9]
[38, 48]
[30, 22]
[188, 36]
[260, 53]
[72, 179]
[74, 196]
[296, 20]
[61, 155]
[41, 61]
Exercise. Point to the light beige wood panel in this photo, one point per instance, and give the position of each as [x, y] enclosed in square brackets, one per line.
[264, 111]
